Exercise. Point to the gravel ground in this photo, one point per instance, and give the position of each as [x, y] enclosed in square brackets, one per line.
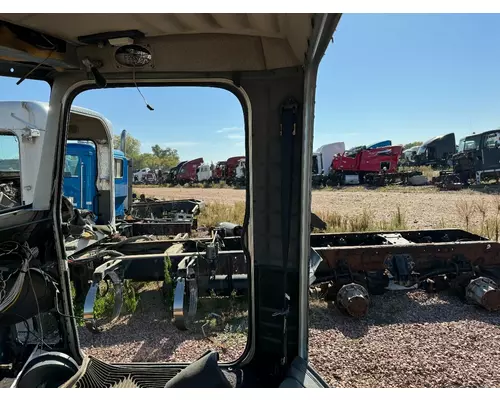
[423, 207]
[149, 336]
[411, 339]
[408, 339]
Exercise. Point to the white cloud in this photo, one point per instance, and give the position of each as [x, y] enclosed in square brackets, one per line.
[233, 129]
[233, 136]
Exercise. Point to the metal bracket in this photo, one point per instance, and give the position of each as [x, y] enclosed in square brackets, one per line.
[290, 105]
[285, 311]
[108, 269]
[185, 302]
[30, 134]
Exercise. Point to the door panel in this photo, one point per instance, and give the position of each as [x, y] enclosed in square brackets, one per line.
[491, 151]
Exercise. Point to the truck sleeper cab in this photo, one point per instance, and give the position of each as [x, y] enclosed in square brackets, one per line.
[437, 150]
[19, 117]
[80, 175]
[187, 172]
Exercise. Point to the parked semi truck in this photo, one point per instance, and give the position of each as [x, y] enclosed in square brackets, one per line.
[478, 157]
[321, 160]
[205, 173]
[352, 166]
[187, 172]
[232, 171]
[437, 151]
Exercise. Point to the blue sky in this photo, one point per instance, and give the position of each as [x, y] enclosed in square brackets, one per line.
[402, 77]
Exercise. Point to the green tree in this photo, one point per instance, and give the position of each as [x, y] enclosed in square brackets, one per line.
[159, 158]
[132, 145]
[167, 157]
[412, 144]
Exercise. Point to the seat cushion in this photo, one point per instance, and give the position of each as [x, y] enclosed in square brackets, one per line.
[203, 373]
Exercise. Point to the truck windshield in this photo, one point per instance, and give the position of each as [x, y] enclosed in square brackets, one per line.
[71, 165]
[421, 150]
[470, 144]
[355, 150]
[9, 153]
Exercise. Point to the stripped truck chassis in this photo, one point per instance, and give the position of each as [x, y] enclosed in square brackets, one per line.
[390, 178]
[368, 178]
[353, 266]
[161, 218]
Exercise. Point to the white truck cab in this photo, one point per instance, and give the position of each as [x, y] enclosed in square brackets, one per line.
[322, 158]
[204, 173]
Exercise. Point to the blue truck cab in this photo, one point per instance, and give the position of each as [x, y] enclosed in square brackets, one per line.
[80, 174]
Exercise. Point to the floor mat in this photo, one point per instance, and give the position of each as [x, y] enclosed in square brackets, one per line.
[98, 374]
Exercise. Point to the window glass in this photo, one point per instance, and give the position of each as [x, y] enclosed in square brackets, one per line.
[71, 166]
[118, 168]
[492, 141]
[10, 171]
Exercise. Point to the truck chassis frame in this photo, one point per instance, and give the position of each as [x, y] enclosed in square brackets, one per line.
[351, 267]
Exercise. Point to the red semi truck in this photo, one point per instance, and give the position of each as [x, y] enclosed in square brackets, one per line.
[219, 171]
[351, 166]
[187, 173]
[231, 164]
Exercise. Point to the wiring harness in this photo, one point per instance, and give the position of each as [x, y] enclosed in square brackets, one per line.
[25, 253]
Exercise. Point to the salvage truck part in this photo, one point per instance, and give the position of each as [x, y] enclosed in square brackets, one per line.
[107, 270]
[186, 294]
[477, 159]
[354, 299]
[162, 218]
[354, 264]
[484, 292]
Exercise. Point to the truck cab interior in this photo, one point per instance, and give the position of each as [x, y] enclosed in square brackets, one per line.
[270, 63]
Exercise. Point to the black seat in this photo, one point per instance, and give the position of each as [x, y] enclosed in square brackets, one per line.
[299, 376]
[203, 373]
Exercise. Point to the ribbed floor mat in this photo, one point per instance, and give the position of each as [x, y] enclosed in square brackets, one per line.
[98, 374]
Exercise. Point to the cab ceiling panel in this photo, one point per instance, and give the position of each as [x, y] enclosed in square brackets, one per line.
[187, 42]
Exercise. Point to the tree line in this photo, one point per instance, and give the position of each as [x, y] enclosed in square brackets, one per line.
[159, 158]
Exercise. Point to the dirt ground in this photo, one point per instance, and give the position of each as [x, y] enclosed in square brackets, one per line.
[423, 208]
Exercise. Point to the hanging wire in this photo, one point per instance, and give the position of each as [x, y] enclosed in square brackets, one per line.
[139, 90]
[33, 69]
